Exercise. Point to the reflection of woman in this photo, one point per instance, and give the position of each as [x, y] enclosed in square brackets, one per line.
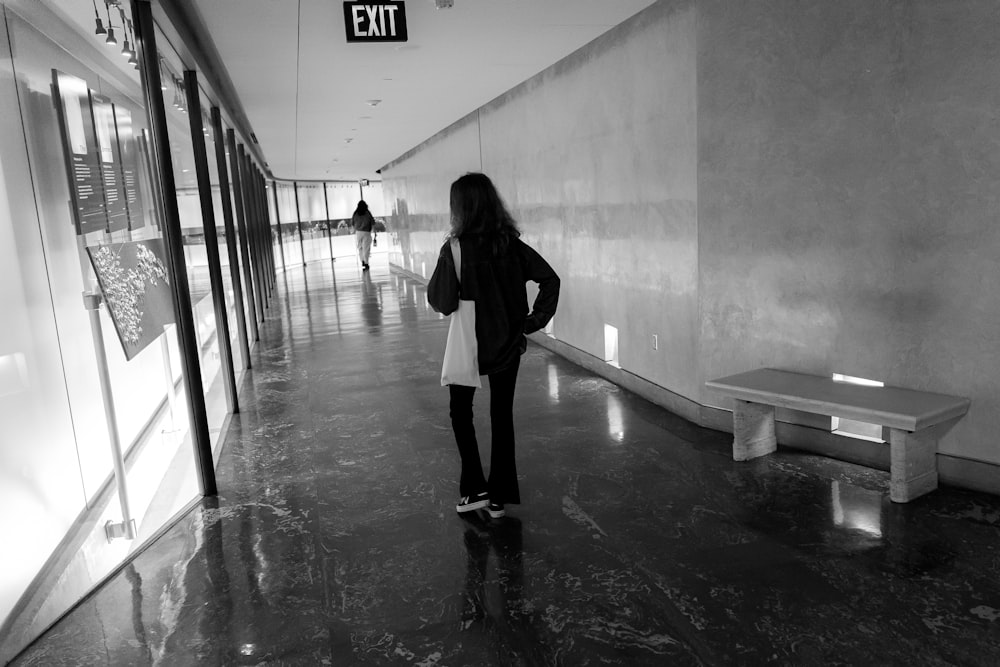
[517, 620]
[364, 227]
[371, 303]
[496, 264]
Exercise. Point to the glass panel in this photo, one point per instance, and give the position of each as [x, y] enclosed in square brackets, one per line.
[376, 204]
[313, 212]
[343, 199]
[279, 250]
[373, 197]
[247, 285]
[193, 239]
[220, 229]
[289, 224]
[92, 367]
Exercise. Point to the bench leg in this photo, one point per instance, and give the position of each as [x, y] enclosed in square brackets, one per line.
[753, 430]
[914, 464]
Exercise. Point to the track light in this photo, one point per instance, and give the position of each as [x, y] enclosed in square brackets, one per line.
[97, 18]
[110, 41]
[126, 50]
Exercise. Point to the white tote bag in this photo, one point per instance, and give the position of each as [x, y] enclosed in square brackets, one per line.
[461, 353]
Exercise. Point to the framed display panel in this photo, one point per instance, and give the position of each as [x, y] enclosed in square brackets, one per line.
[135, 283]
[110, 160]
[81, 151]
[129, 162]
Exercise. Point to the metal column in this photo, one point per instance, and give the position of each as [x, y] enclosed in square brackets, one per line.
[234, 166]
[277, 216]
[172, 238]
[250, 216]
[232, 240]
[329, 233]
[298, 215]
[211, 240]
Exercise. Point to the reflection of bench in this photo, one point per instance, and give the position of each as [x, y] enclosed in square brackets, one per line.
[916, 419]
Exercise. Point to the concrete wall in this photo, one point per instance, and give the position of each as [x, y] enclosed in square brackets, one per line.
[806, 185]
[416, 197]
[848, 187]
[599, 165]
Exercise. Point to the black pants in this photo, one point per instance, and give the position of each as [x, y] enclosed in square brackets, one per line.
[502, 485]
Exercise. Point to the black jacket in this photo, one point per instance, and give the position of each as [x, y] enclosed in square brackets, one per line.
[363, 222]
[497, 285]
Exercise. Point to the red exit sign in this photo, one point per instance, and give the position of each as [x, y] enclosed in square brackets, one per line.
[375, 21]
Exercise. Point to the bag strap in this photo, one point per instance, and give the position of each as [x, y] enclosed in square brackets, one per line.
[456, 253]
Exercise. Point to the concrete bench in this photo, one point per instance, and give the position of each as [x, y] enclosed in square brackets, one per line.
[916, 419]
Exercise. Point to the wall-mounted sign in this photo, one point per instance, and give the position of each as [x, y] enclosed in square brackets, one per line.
[82, 151]
[375, 22]
[129, 151]
[115, 201]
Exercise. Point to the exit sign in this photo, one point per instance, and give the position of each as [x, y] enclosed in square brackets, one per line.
[375, 21]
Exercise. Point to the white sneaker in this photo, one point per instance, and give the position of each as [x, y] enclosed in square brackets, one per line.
[469, 503]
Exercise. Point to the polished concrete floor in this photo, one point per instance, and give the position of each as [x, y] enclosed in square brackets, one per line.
[334, 539]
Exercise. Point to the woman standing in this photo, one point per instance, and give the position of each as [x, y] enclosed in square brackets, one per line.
[495, 266]
[364, 227]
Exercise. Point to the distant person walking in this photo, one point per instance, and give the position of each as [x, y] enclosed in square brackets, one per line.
[364, 229]
[495, 265]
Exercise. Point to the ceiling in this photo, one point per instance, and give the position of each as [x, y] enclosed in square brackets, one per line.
[307, 92]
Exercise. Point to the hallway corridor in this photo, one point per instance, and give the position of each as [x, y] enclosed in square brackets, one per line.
[334, 539]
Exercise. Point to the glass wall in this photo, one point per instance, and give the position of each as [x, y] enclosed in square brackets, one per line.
[229, 274]
[312, 221]
[241, 221]
[232, 260]
[287, 222]
[323, 216]
[278, 239]
[193, 237]
[96, 454]
[90, 372]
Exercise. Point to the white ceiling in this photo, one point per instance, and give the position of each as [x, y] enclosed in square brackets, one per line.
[305, 89]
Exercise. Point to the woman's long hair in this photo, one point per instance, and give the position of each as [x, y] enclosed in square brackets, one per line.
[362, 208]
[477, 209]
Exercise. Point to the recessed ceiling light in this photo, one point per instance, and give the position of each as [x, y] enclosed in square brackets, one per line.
[373, 103]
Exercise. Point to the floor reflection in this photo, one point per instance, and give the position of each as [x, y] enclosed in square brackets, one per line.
[335, 541]
[494, 603]
[138, 623]
[371, 302]
[856, 508]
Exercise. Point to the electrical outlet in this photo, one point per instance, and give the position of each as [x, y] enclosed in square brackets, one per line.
[656, 342]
